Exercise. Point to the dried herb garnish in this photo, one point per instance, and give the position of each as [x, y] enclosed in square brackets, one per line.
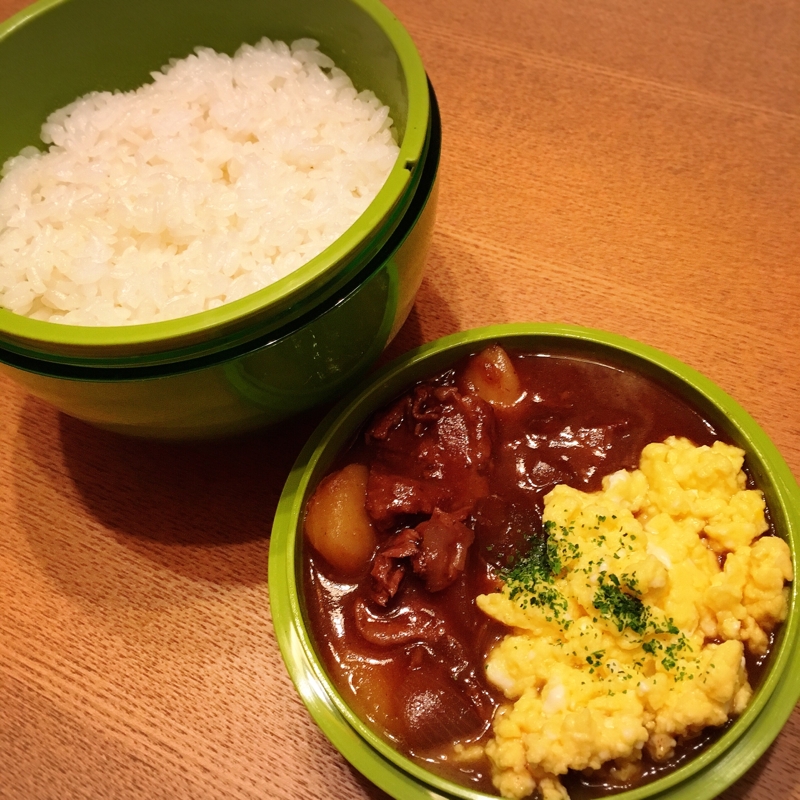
[622, 609]
[529, 579]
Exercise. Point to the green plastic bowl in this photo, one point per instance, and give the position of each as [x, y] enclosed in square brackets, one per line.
[282, 349]
[701, 778]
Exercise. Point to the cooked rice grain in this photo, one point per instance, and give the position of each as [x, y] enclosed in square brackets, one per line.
[215, 180]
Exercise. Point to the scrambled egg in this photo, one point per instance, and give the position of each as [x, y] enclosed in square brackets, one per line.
[631, 617]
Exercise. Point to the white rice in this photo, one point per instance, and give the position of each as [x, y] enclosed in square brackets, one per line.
[217, 179]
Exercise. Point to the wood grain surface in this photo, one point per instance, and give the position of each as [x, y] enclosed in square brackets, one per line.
[625, 165]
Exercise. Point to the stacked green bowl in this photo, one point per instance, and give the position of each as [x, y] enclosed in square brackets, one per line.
[288, 347]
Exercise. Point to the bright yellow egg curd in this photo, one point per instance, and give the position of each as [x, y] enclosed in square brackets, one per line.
[631, 617]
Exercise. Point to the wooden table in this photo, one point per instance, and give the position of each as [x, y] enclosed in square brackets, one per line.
[623, 165]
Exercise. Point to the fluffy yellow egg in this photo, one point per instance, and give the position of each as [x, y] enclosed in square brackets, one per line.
[630, 617]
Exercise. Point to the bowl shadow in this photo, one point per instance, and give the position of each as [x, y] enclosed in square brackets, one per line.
[162, 497]
[202, 510]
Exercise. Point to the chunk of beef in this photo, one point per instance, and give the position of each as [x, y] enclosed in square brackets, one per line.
[386, 421]
[460, 429]
[390, 496]
[442, 552]
[436, 550]
[433, 448]
[390, 564]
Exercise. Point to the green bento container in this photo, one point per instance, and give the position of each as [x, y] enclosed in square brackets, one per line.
[701, 778]
[285, 348]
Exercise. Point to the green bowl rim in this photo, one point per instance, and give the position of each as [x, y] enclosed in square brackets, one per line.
[701, 778]
[290, 289]
[170, 363]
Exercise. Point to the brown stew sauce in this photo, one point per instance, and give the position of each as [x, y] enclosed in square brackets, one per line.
[404, 640]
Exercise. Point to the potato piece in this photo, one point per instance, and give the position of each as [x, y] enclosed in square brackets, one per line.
[337, 524]
[491, 376]
[374, 694]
